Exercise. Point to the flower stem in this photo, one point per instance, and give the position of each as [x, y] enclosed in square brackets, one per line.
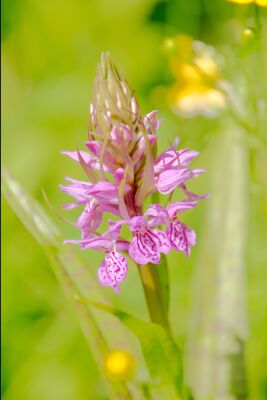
[154, 295]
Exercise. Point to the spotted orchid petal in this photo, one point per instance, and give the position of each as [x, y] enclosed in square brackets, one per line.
[103, 276]
[163, 240]
[147, 244]
[117, 267]
[143, 250]
[181, 236]
[113, 270]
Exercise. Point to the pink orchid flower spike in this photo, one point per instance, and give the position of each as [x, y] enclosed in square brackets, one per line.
[123, 170]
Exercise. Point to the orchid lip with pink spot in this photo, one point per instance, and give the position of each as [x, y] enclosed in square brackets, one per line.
[147, 244]
[123, 170]
[180, 236]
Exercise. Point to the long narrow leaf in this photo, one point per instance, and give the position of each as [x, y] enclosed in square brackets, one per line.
[36, 221]
[160, 351]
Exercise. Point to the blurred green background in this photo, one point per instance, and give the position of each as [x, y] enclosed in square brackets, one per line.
[49, 55]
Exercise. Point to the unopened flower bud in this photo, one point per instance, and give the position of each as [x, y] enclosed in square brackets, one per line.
[114, 100]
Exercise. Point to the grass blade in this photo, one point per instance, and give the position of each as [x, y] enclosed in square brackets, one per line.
[218, 330]
[158, 347]
[34, 218]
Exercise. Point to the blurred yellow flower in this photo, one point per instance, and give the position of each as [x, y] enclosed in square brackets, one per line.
[197, 74]
[241, 1]
[197, 100]
[261, 3]
[119, 365]
[207, 66]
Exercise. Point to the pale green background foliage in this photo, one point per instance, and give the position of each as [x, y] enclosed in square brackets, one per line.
[50, 51]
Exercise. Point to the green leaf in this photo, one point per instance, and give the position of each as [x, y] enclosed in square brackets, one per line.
[62, 259]
[160, 351]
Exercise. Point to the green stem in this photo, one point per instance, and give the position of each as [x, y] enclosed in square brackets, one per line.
[257, 18]
[153, 294]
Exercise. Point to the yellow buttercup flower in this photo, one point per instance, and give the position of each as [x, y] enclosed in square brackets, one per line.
[261, 3]
[185, 72]
[195, 100]
[118, 365]
[197, 74]
[207, 66]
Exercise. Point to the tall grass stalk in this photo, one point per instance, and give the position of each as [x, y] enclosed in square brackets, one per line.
[218, 327]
